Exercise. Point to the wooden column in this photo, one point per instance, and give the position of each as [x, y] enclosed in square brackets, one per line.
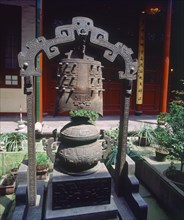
[166, 58]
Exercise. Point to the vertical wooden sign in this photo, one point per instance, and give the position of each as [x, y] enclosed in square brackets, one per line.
[140, 73]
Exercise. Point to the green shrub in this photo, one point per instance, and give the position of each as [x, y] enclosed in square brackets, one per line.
[175, 116]
[42, 158]
[162, 137]
[172, 133]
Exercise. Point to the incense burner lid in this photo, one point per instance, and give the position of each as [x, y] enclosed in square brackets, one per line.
[79, 131]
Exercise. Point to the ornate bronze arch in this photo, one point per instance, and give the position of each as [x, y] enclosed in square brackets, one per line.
[65, 34]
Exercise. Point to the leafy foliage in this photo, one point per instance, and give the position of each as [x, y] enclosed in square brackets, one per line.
[13, 140]
[111, 157]
[179, 93]
[172, 133]
[90, 114]
[161, 118]
[42, 158]
[147, 132]
[113, 133]
[175, 116]
[161, 137]
[112, 146]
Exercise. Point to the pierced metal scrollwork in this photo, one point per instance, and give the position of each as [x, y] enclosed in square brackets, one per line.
[65, 34]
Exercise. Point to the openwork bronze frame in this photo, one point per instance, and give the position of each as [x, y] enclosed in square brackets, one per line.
[65, 34]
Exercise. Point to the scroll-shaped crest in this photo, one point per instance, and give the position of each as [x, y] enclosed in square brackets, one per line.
[65, 34]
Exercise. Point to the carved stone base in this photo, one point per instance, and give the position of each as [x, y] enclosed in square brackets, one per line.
[80, 197]
[74, 191]
[95, 212]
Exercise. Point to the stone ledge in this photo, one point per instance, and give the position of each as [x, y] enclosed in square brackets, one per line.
[169, 195]
[130, 189]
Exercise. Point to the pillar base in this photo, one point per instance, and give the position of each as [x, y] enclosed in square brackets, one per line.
[138, 113]
[138, 110]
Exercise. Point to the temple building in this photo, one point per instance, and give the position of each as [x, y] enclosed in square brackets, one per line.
[151, 28]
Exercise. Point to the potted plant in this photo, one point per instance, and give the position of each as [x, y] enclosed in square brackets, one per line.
[177, 152]
[42, 165]
[145, 135]
[171, 135]
[175, 175]
[7, 185]
[175, 122]
[161, 153]
[163, 143]
[15, 167]
[13, 140]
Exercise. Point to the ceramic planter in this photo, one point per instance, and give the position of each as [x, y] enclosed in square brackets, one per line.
[42, 172]
[161, 154]
[176, 176]
[143, 141]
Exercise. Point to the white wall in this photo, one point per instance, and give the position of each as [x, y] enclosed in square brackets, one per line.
[11, 99]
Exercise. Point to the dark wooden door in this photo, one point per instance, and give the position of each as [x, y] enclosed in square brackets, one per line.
[49, 86]
[154, 46]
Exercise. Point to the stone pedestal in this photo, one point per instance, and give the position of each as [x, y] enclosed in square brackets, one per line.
[80, 197]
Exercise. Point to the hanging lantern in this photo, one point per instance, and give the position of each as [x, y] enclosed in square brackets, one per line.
[153, 7]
